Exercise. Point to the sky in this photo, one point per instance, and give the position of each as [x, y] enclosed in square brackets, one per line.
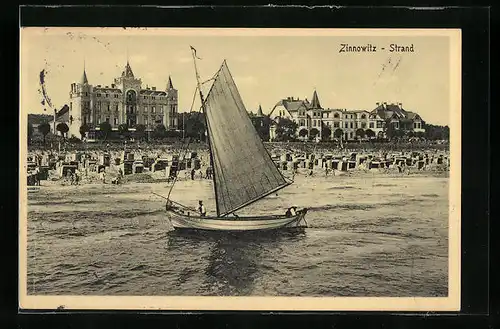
[266, 67]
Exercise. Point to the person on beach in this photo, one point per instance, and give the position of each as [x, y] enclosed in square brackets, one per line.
[192, 173]
[76, 177]
[201, 209]
[103, 176]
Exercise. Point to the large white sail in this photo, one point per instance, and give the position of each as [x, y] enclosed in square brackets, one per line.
[243, 170]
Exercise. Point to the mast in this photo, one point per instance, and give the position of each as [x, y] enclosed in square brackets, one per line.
[193, 52]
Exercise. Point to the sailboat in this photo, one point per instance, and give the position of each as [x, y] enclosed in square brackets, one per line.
[243, 172]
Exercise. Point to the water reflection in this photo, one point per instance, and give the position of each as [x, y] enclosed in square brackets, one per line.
[234, 259]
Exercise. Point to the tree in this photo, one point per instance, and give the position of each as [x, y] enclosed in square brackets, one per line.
[195, 125]
[313, 133]
[303, 132]
[338, 133]
[105, 129]
[30, 132]
[83, 130]
[261, 125]
[140, 130]
[360, 133]
[446, 132]
[370, 133]
[285, 130]
[62, 128]
[44, 129]
[389, 129]
[326, 132]
[123, 130]
[159, 131]
[410, 134]
[173, 133]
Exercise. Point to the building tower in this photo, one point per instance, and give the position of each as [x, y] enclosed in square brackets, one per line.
[130, 87]
[80, 105]
[171, 110]
[316, 112]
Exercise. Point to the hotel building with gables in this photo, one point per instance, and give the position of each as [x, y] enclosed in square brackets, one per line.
[314, 120]
[125, 101]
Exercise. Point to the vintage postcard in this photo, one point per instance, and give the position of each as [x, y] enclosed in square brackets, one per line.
[240, 169]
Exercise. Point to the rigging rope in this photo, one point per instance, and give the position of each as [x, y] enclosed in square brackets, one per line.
[187, 146]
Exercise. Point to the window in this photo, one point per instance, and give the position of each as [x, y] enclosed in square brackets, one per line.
[314, 123]
[98, 95]
[351, 125]
[350, 134]
[115, 121]
[363, 125]
[346, 125]
[372, 125]
[109, 105]
[336, 115]
[363, 116]
[153, 109]
[107, 95]
[380, 124]
[336, 124]
[107, 119]
[86, 94]
[146, 121]
[116, 96]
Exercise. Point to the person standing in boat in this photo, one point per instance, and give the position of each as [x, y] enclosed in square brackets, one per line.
[201, 209]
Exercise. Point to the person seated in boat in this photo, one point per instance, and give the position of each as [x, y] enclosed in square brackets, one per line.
[288, 212]
[169, 205]
[201, 209]
[293, 210]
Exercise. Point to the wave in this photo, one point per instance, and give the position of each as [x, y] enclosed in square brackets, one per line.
[342, 207]
[343, 188]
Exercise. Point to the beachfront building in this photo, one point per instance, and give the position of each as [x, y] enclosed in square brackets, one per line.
[125, 101]
[315, 122]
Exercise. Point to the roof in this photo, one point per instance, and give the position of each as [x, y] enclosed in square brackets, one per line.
[107, 90]
[128, 71]
[412, 115]
[152, 92]
[388, 111]
[84, 78]
[62, 111]
[259, 112]
[315, 101]
[170, 85]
